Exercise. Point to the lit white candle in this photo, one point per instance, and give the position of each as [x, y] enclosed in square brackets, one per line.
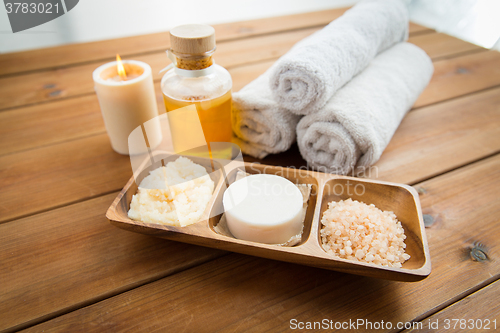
[127, 101]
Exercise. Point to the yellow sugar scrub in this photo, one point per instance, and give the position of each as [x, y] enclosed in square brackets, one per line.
[356, 231]
[176, 194]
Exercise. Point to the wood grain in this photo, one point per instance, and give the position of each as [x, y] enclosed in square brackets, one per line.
[417, 29]
[50, 123]
[479, 310]
[66, 119]
[77, 80]
[439, 45]
[441, 137]
[469, 73]
[467, 129]
[106, 50]
[239, 293]
[61, 83]
[67, 269]
[49, 177]
[65, 55]
[67, 258]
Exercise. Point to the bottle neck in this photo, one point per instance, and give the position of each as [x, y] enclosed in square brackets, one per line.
[193, 62]
[190, 61]
[191, 65]
[194, 72]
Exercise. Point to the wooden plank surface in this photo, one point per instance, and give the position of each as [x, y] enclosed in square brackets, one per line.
[78, 253]
[65, 55]
[466, 74]
[441, 137]
[478, 312]
[50, 123]
[67, 119]
[414, 137]
[77, 80]
[73, 81]
[73, 54]
[49, 177]
[449, 74]
[439, 45]
[87, 167]
[78, 273]
[61, 83]
[256, 295]
[471, 72]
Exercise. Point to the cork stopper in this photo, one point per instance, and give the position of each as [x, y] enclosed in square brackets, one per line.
[194, 39]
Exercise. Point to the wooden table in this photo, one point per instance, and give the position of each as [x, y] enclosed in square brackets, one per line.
[64, 268]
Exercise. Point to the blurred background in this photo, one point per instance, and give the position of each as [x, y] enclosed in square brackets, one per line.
[476, 21]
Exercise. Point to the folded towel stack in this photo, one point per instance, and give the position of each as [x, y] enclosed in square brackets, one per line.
[305, 78]
[354, 127]
[339, 127]
[261, 126]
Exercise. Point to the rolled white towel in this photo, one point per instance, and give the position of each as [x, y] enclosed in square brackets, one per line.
[352, 130]
[260, 125]
[306, 77]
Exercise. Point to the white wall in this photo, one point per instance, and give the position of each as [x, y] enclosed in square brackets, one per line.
[94, 20]
[476, 21]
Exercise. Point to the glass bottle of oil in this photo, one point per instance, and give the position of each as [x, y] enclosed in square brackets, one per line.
[196, 80]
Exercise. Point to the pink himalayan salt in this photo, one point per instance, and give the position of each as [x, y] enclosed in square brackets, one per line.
[356, 231]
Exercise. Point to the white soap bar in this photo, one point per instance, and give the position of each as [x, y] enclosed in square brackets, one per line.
[263, 208]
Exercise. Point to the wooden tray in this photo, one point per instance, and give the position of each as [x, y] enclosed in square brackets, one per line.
[401, 199]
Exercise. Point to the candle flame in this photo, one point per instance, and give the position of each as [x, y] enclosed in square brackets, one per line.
[121, 69]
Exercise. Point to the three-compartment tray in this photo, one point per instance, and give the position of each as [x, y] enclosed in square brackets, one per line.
[401, 199]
